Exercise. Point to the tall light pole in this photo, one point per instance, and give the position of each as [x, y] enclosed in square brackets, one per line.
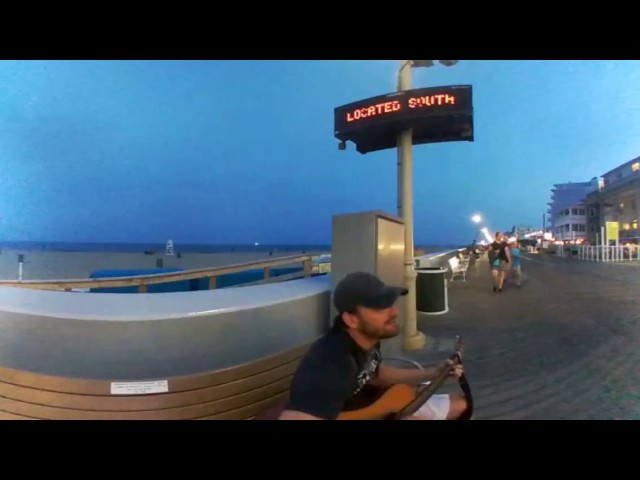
[412, 339]
[404, 83]
[476, 219]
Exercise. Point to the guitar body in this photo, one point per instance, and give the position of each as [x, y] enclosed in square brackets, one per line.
[391, 401]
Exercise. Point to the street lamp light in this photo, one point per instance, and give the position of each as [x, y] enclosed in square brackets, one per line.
[421, 63]
[412, 339]
[487, 235]
[429, 63]
[476, 219]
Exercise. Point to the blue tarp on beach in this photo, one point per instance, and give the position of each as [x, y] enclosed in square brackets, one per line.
[228, 280]
[180, 286]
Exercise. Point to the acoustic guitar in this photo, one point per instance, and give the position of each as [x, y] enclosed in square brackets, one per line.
[400, 401]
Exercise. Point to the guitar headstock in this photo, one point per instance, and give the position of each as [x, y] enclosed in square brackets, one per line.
[458, 348]
[459, 344]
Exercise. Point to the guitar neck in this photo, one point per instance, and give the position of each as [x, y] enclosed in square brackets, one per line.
[438, 380]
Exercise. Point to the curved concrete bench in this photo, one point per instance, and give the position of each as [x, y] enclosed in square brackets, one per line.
[219, 354]
[161, 335]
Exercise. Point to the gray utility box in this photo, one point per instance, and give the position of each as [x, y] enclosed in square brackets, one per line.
[368, 242]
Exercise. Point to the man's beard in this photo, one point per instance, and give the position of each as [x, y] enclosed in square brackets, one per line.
[389, 330]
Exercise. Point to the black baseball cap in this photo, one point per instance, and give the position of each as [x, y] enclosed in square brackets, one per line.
[363, 289]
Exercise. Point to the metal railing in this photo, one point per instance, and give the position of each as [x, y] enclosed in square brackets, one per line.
[143, 281]
[601, 253]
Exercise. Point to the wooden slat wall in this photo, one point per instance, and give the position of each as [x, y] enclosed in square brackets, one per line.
[11, 416]
[236, 393]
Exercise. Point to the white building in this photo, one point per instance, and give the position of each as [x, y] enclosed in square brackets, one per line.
[567, 210]
[618, 201]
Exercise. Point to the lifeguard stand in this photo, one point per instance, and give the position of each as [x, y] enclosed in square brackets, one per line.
[168, 249]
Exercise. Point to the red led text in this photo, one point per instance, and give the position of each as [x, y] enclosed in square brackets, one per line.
[374, 110]
[432, 100]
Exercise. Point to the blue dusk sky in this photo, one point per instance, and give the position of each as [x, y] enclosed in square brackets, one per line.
[243, 151]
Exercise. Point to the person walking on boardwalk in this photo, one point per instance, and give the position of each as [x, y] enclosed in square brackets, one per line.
[516, 269]
[500, 260]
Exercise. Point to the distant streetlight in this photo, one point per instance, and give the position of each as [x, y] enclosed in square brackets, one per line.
[476, 219]
[489, 238]
[412, 339]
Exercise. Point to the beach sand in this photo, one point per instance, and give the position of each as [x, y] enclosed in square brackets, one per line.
[79, 265]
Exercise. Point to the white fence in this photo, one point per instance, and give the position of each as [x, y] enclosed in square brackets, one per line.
[601, 253]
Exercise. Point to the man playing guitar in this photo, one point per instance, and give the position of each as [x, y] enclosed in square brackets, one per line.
[343, 369]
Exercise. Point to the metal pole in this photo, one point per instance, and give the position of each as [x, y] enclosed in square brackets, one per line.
[20, 264]
[413, 339]
[399, 174]
[404, 65]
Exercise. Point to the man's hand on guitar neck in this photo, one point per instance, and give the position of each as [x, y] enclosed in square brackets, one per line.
[456, 371]
[388, 376]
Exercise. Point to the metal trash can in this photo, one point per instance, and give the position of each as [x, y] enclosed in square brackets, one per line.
[431, 291]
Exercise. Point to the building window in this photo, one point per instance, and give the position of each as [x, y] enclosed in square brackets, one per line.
[592, 228]
[635, 167]
[566, 211]
[634, 225]
[626, 226]
[574, 211]
[592, 212]
[581, 211]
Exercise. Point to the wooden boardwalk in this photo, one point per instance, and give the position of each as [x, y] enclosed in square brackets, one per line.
[564, 346]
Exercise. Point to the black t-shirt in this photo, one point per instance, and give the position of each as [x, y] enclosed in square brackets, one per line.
[500, 250]
[335, 376]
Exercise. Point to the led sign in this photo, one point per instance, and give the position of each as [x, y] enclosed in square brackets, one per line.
[436, 114]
